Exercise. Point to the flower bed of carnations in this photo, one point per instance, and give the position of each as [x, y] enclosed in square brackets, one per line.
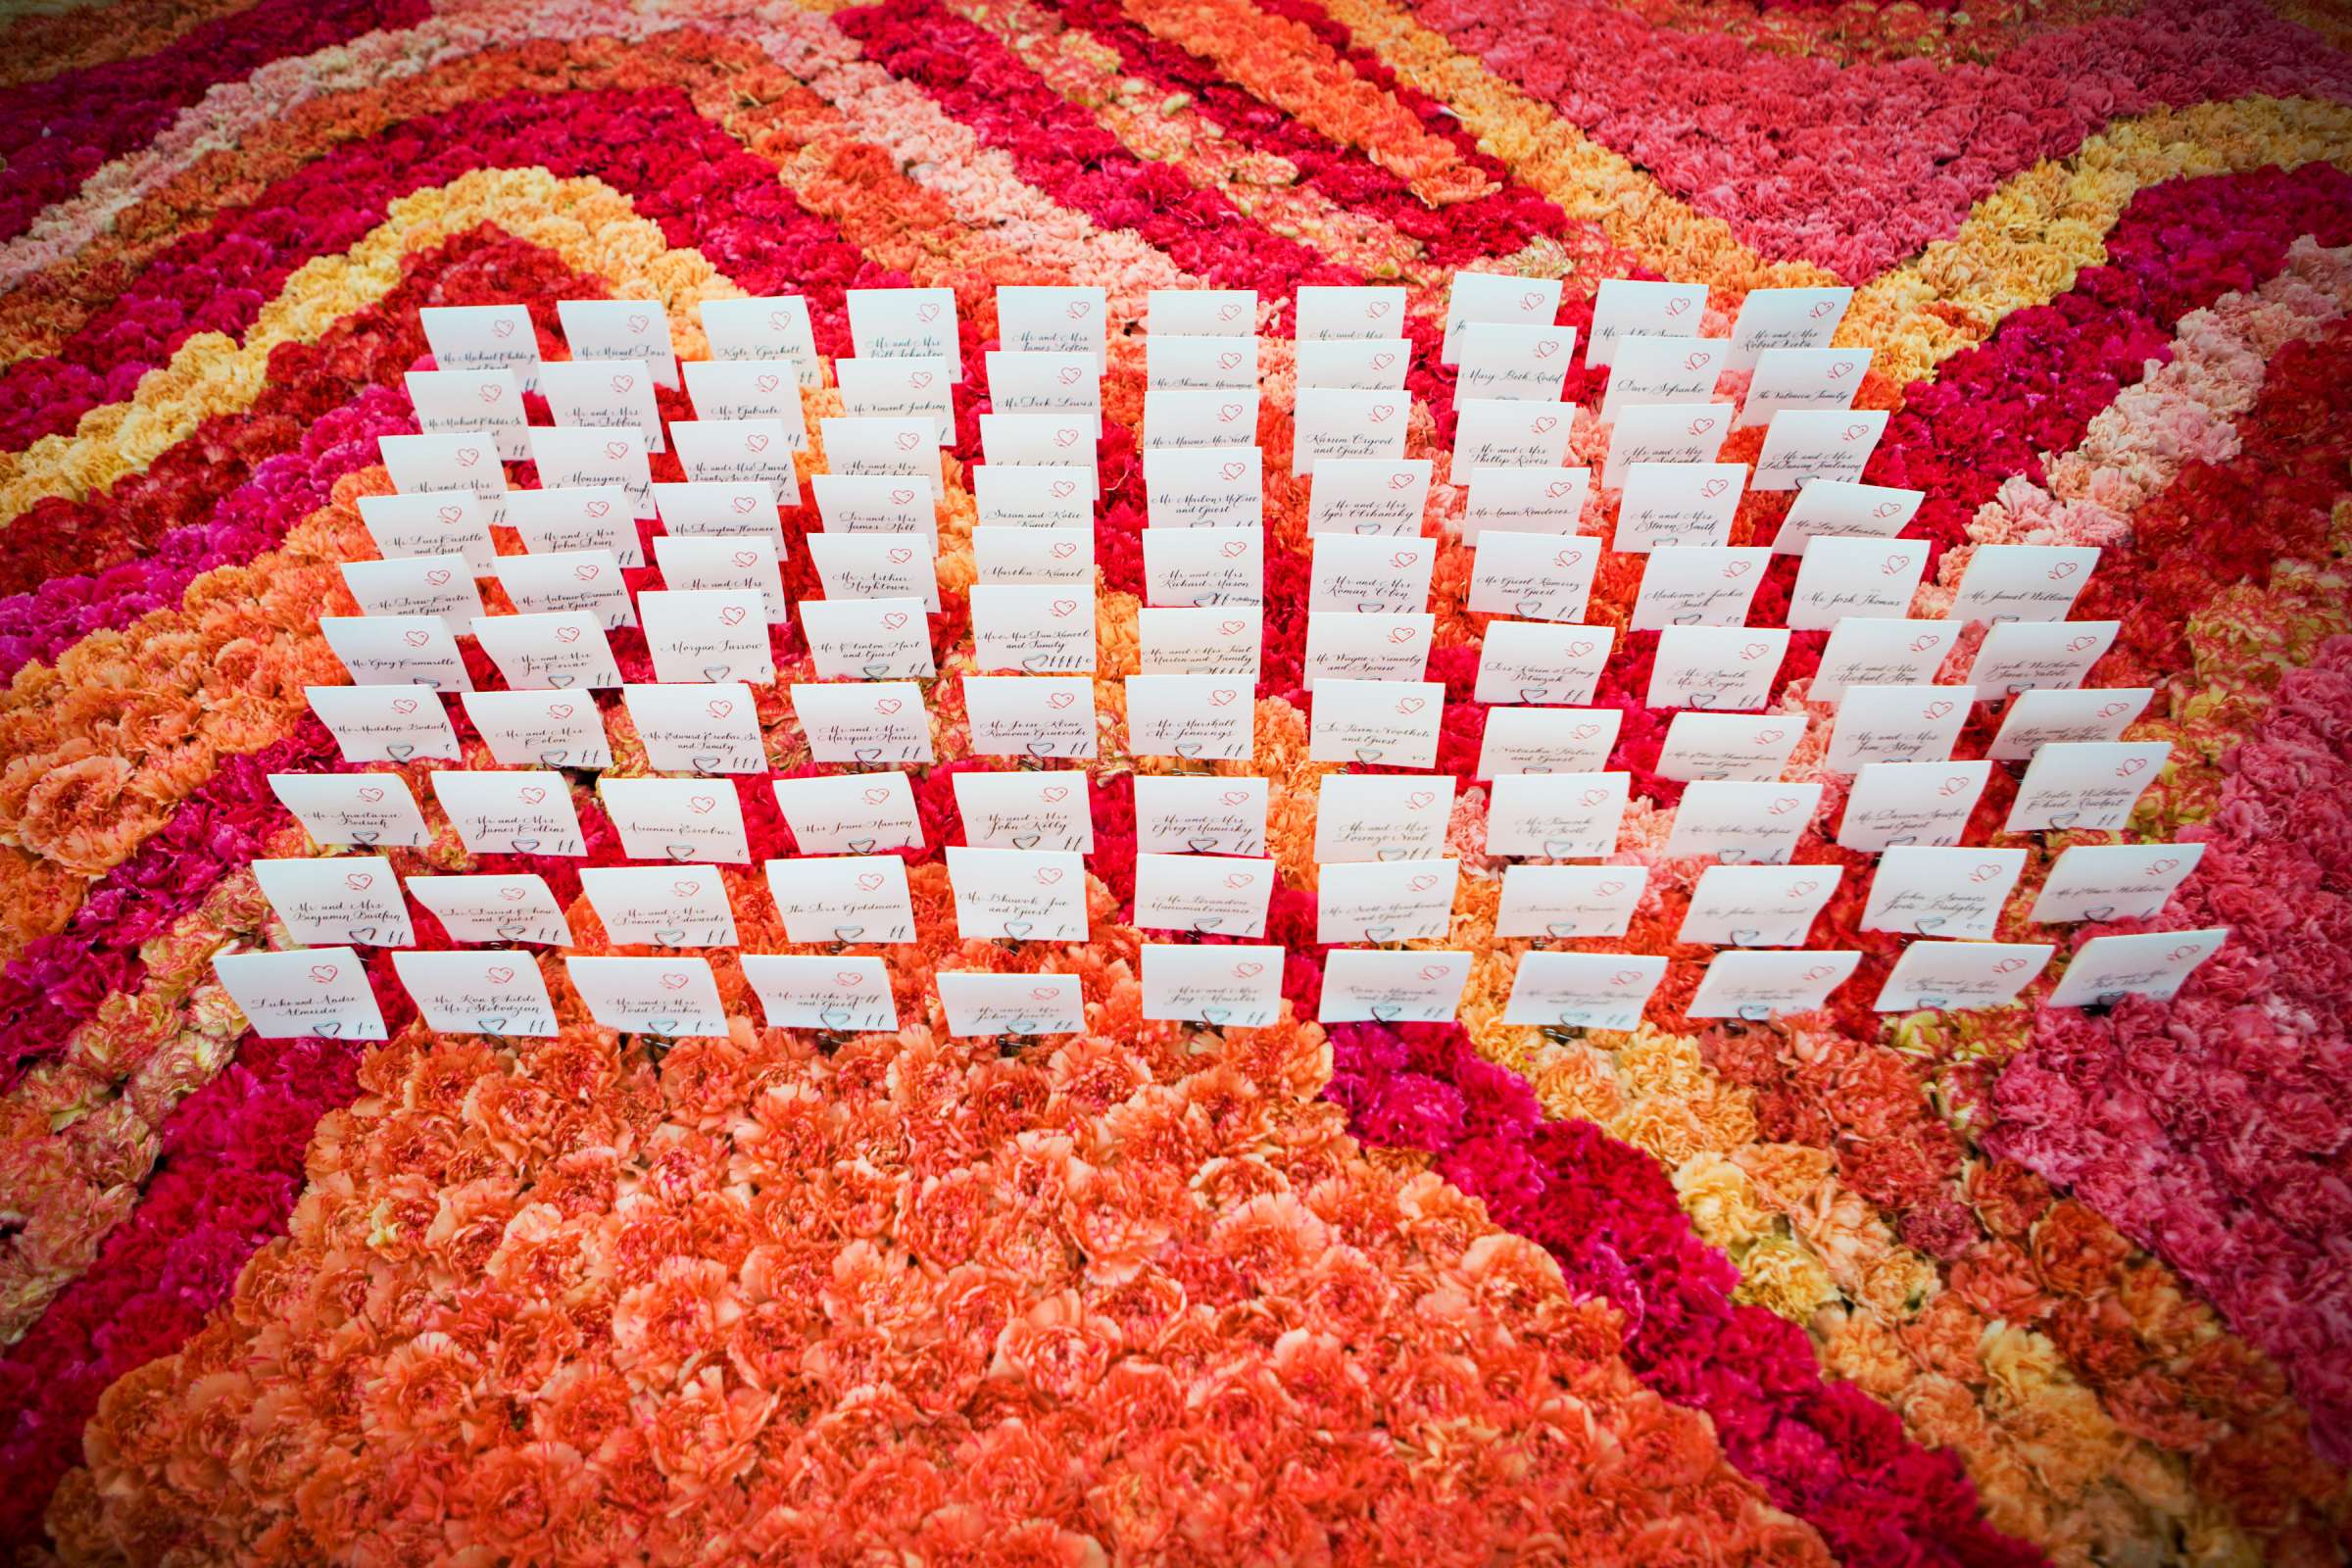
[2002, 1288]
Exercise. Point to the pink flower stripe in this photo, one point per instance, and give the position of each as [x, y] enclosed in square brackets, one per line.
[1797, 155]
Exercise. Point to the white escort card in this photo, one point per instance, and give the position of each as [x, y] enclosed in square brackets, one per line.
[1525, 501]
[851, 503]
[1755, 747]
[482, 337]
[1517, 303]
[609, 396]
[674, 997]
[311, 991]
[2094, 785]
[2114, 881]
[1201, 640]
[585, 580]
[738, 452]
[1689, 504]
[384, 724]
[1761, 986]
[1200, 362]
[1541, 740]
[1961, 976]
[1384, 901]
[382, 650]
[1509, 433]
[1582, 990]
[1911, 802]
[1368, 496]
[1698, 585]
[1521, 364]
[1716, 666]
[1207, 895]
[345, 898]
[609, 330]
[775, 328]
[559, 651]
[1841, 577]
[577, 518]
[1393, 724]
[1227, 986]
[1425, 987]
[1742, 823]
[510, 813]
[1896, 725]
[1564, 902]
[745, 564]
[868, 639]
[1866, 652]
[891, 448]
[705, 730]
[724, 390]
[430, 522]
[2022, 582]
[2149, 964]
[899, 389]
[1057, 495]
[1199, 815]
[707, 634]
[1664, 432]
[1195, 421]
[851, 813]
[1757, 905]
[1785, 319]
[1030, 716]
[1012, 1004]
[1803, 378]
[1326, 310]
[1942, 892]
[867, 723]
[472, 400]
[1029, 809]
[843, 898]
[1541, 577]
[1033, 630]
[1662, 369]
[1356, 364]
[569, 457]
[1841, 507]
[905, 322]
[494, 908]
[1204, 487]
[1624, 306]
[1803, 446]
[732, 510]
[1370, 576]
[430, 464]
[1200, 311]
[338, 809]
[666, 905]
[681, 820]
[1333, 422]
[2036, 719]
[1198, 717]
[2019, 656]
[1061, 318]
[1344, 644]
[1560, 817]
[876, 566]
[846, 992]
[1019, 894]
[540, 729]
[1525, 662]
[1381, 816]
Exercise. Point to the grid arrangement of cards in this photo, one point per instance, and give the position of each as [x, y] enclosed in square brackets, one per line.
[1201, 869]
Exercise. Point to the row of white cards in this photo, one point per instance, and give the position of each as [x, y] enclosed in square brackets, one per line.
[324, 991]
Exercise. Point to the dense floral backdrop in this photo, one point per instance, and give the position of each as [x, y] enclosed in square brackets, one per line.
[1999, 1288]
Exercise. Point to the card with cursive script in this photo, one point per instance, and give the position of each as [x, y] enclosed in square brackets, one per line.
[1961, 976]
[2038, 717]
[844, 993]
[866, 723]
[430, 522]
[1032, 808]
[1689, 504]
[2105, 970]
[528, 813]
[1757, 905]
[1698, 585]
[1381, 816]
[1582, 990]
[705, 730]
[676, 998]
[349, 900]
[482, 337]
[1785, 319]
[2073, 785]
[1559, 817]
[494, 908]
[585, 580]
[775, 327]
[1730, 668]
[396, 649]
[471, 993]
[1423, 987]
[562, 650]
[1936, 891]
[1207, 895]
[1393, 724]
[1742, 823]
[1755, 747]
[1911, 802]
[707, 634]
[1384, 901]
[1030, 716]
[1200, 815]
[843, 899]
[620, 330]
[851, 813]
[1547, 501]
[1501, 299]
[339, 810]
[1226, 984]
[1198, 717]
[577, 518]
[1540, 576]
[1896, 725]
[1741, 983]
[384, 724]
[1568, 902]
[680, 820]
[1012, 1004]
[905, 322]
[668, 906]
[472, 400]
[2114, 881]
[1841, 509]
[309, 991]
[540, 729]
[1548, 740]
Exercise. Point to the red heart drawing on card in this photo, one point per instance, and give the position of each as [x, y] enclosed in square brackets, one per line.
[1064, 607]
[1938, 710]
[1232, 551]
[1422, 884]
[1678, 305]
[1559, 488]
[1701, 426]
[927, 313]
[1234, 797]
[1609, 889]
[1381, 412]
[1220, 698]
[746, 559]
[1840, 371]
[875, 797]
[1411, 704]
[1376, 310]
[1227, 361]
[531, 794]
[1855, 432]
[899, 498]
[1920, 645]
[467, 457]
[450, 514]
[1531, 300]
[1951, 786]
[906, 440]
[1065, 437]
[1381, 361]
[498, 974]
[1076, 310]
[1755, 651]
[1892, 565]
[1738, 569]
[1227, 413]
[847, 977]
[673, 982]
[1063, 551]
[2063, 570]
[1055, 794]
[1248, 972]
[1401, 482]
[1048, 875]
[1593, 796]
[1064, 489]
[586, 573]
[1769, 737]
[622, 384]
[888, 706]
[597, 508]
[1714, 487]
[779, 320]
[1061, 700]
[1421, 800]
[1885, 508]
[638, 324]
[754, 444]
[1401, 634]
[1584, 732]
[1985, 874]
[2079, 644]
[567, 634]
[403, 706]
[684, 890]
[502, 328]
[2110, 709]
[372, 796]
[1233, 470]
[616, 450]
[512, 894]
[702, 805]
[766, 384]
[1545, 348]
[1578, 650]
[869, 880]
[1232, 629]
[2130, 766]
[900, 555]
[1800, 890]
[920, 379]
[719, 710]
[359, 881]
[489, 394]
[559, 710]
[1069, 374]
[1697, 360]
[1783, 805]
[2009, 966]
[1228, 311]
[415, 639]
[743, 503]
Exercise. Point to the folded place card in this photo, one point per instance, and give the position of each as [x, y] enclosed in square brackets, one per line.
[510, 813]
[888, 447]
[349, 900]
[1204, 487]
[738, 452]
[587, 580]
[1841, 507]
[1200, 361]
[868, 639]
[1742, 823]
[1568, 902]
[905, 322]
[1873, 578]
[577, 518]
[368, 809]
[1548, 740]
[1960, 976]
[621, 329]
[707, 730]
[1201, 640]
[1662, 369]
[1384, 901]
[732, 510]
[1030, 716]
[1582, 990]
[674, 997]
[1803, 446]
[540, 729]
[1227, 986]
[1757, 905]
[681, 820]
[1519, 304]
[1523, 661]
[1196, 815]
[1942, 892]
[1198, 717]
[745, 564]
[775, 328]
[726, 390]
[1560, 817]
[1036, 630]
[2020, 655]
[2036, 719]
[876, 566]
[914, 388]
[1327, 311]
[1393, 724]
[1012, 1004]
[1803, 378]
[1525, 501]
[1058, 319]
[1698, 585]
[1357, 365]
[1624, 306]
[472, 400]
[1019, 894]
[1716, 666]
[1423, 988]
[1761, 986]
[1029, 809]
[1689, 503]
[1381, 816]
[2022, 582]
[606, 396]
[846, 992]
[1754, 746]
[482, 337]
[459, 460]
[2149, 964]
[669, 905]
[1663, 432]
[1342, 645]
[558, 651]
[844, 898]
[1522, 364]
[1034, 495]
[1896, 725]
[1370, 575]
[2114, 881]
[869, 722]
[494, 908]
[1207, 895]
[1198, 421]
[1541, 577]
[851, 813]
[430, 522]
[1188, 566]
[1509, 433]
[1785, 319]
[2085, 785]
[1332, 422]
[384, 724]
[707, 634]
[395, 650]
[1198, 312]
[313, 991]
[1368, 496]
[1866, 652]
[572, 457]
[1911, 802]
